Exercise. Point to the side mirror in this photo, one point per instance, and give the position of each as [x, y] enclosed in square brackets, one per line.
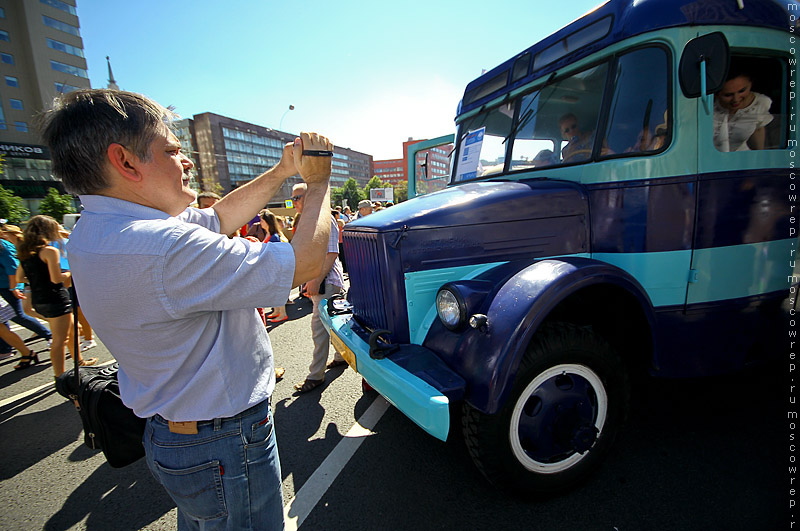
[423, 168]
[704, 65]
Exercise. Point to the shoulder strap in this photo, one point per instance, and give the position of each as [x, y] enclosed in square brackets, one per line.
[76, 348]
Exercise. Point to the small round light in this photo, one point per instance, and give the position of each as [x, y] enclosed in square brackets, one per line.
[478, 321]
[448, 308]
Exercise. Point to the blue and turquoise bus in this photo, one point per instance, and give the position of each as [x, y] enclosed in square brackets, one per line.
[621, 202]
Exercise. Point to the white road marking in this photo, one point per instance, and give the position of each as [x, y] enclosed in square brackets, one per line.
[298, 508]
[29, 392]
[26, 394]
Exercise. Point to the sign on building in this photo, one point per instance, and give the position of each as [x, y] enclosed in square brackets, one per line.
[24, 151]
[382, 194]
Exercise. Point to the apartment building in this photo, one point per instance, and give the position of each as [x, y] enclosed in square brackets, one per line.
[41, 56]
[395, 171]
[231, 152]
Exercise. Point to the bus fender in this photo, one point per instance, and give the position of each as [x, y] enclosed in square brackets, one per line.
[490, 358]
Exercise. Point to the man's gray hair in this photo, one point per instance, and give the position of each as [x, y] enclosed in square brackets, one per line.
[83, 123]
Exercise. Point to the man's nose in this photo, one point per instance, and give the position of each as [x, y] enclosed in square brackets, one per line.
[187, 162]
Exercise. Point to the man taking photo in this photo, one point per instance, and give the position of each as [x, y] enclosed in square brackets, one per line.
[174, 299]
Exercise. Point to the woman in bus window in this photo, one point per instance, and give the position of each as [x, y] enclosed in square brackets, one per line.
[740, 114]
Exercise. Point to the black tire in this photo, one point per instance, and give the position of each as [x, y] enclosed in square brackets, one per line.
[566, 406]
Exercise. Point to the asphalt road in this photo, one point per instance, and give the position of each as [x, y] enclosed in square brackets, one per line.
[702, 454]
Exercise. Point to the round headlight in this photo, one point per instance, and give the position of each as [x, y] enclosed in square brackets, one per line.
[450, 310]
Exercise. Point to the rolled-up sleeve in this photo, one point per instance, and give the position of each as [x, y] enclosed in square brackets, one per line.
[203, 271]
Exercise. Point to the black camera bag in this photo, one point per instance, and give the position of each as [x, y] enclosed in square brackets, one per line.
[108, 424]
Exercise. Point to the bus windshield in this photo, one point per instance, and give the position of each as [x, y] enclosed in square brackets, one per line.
[558, 123]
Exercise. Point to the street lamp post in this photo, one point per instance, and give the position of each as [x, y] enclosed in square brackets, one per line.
[280, 125]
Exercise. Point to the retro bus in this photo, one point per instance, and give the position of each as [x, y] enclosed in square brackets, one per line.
[608, 217]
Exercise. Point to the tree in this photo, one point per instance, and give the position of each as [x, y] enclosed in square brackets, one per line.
[210, 185]
[349, 192]
[56, 205]
[375, 182]
[401, 192]
[11, 207]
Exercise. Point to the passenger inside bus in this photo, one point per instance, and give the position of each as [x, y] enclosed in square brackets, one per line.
[580, 142]
[740, 114]
[651, 140]
[544, 158]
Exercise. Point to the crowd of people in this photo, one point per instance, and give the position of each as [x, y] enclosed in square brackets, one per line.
[36, 272]
[268, 227]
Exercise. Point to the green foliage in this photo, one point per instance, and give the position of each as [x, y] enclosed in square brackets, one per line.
[375, 182]
[210, 185]
[401, 192]
[11, 207]
[349, 192]
[56, 205]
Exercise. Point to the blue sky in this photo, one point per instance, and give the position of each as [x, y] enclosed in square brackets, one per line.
[366, 74]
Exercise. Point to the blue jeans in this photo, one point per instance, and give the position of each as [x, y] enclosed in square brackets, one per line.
[227, 476]
[22, 319]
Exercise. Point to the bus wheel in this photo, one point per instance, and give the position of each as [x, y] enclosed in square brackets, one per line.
[566, 406]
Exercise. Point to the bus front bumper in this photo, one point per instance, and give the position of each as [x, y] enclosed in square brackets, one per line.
[412, 378]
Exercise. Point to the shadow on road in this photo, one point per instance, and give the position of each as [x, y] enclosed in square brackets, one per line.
[118, 499]
[113, 498]
[695, 454]
[10, 378]
[297, 421]
[296, 310]
[37, 435]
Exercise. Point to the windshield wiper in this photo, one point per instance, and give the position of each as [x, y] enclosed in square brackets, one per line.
[523, 121]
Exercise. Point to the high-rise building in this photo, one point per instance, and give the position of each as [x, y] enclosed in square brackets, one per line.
[231, 152]
[391, 171]
[41, 56]
[184, 130]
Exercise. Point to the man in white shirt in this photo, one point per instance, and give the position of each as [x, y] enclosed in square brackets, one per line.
[174, 299]
[329, 282]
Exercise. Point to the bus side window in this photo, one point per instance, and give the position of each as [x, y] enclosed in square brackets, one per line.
[557, 124]
[749, 110]
[639, 118]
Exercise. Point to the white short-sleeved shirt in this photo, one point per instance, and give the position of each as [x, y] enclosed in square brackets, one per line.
[732, 131]
[335, 276]
[174, 301]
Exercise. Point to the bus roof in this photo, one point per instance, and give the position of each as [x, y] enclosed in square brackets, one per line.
[615, 21]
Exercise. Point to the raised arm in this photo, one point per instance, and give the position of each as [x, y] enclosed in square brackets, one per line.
[242, 204]
[310, 240]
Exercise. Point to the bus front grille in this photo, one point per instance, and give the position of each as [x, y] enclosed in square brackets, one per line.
[364, 266]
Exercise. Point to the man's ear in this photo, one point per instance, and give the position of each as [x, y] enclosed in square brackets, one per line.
[124, 162]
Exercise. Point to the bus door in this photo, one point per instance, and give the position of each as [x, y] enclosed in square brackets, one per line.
[740, 246]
